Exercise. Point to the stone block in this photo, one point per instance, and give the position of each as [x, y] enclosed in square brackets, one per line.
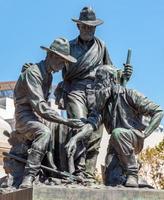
[90, 193]
[25, 194]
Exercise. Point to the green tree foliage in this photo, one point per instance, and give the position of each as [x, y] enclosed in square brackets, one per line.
[152, 165]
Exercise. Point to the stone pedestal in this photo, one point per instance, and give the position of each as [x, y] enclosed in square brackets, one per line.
[25, 194]
[105, 193]
[83, 193]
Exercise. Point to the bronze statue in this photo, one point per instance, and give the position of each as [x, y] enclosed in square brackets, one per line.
[75, 93]
[30, 96]
[121, 110]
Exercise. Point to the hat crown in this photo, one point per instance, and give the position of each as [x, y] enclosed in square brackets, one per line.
[61, 45]
[87, 14]
[88, 17]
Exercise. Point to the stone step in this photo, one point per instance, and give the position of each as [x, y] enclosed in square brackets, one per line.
[25, 194]
[82, 193]
[90, 193]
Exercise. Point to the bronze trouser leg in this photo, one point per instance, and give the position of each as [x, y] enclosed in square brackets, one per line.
[93, 150]
[126, 144]
[77, 108]
[39, 134]
[57, 145]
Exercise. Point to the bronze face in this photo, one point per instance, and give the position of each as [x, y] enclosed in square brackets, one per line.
[86, 32]
[55, 62]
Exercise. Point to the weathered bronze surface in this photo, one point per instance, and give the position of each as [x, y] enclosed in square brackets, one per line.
[76, 93]
[53, 150]
[32, 136]
[121, 110]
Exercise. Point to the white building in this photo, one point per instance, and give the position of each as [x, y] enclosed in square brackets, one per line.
[6, 124]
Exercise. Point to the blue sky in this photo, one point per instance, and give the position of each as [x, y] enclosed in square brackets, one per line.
[137, 24]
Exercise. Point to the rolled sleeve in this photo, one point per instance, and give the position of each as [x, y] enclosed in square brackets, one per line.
[36, 96]
[142, 104]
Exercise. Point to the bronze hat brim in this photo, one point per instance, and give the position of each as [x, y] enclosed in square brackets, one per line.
[89, 23]
[66, 57]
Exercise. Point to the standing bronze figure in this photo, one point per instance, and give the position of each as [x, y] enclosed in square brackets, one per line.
[77, 94]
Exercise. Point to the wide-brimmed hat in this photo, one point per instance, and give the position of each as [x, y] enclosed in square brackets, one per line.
[88, 17]
[61, 47]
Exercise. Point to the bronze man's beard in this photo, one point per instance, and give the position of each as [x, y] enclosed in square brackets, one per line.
[102, 95]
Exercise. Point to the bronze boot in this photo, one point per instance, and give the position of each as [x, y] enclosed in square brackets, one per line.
[132, 180]
[32, 168]
[27, 182]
